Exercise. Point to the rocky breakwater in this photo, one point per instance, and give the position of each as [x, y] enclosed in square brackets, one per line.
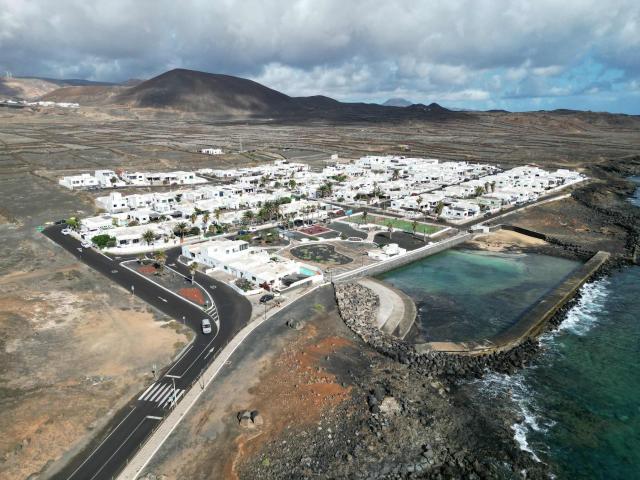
[358, 307]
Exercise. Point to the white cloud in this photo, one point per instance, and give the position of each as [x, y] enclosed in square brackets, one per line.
[443, 49]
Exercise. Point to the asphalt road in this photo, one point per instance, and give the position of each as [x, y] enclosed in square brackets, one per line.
[110, 450]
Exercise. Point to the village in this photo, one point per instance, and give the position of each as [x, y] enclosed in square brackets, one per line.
[247, 225]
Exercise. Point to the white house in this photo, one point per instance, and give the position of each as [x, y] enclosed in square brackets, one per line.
[84, 180]
[211, 151]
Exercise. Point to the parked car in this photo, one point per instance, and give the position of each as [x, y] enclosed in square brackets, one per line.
[86, 244]
[206, 326]
[266, 298]
[65, 231]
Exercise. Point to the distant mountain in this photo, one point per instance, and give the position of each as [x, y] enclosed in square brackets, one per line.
[226, 96]
[431, 108]
[31, 88]
[397, 102]
[132, 82]
[188, 90]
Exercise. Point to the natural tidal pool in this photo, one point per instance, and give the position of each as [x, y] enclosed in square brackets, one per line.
[463, 295]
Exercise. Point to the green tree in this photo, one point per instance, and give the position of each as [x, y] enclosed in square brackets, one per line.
[439, 208]
[365, 214]
[160, 257]
[390, 228]
[479, 190]
[74, 223]
[149, 237]
[193, 217]
[181, 230]
[248, 216]
[193, 268]
[292, 184]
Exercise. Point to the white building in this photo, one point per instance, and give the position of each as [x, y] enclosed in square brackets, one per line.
[211, 151]
[236, 258]
[84, 180]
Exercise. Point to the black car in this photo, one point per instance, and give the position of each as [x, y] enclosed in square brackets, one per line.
[266, 298]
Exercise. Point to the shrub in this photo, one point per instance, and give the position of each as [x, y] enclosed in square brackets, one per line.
[194, 231]
[104, 240]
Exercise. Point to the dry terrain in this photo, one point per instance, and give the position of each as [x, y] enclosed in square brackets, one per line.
[74, 348]
[65, 368]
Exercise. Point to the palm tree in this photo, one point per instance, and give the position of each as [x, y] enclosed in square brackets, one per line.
[217, 213]
[479, 190]
[160, 258]
[193, 268]
[181, 229]
[205, 220]
[493, 186]
[248, 216]
[487, 186]
[414, 226]
[365, 214]
[149, 237]
[396, 174]
[193, 217]
[439, 208]
[390, 228]
[419, 201]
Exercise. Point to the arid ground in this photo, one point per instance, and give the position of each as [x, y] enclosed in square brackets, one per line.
[74, 347]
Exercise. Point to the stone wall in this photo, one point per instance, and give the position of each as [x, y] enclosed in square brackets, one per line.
[358, 305]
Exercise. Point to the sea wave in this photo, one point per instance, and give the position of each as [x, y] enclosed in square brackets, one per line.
[585, 314]
[580, 319]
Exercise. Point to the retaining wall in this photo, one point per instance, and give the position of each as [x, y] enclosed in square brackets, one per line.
[533, 322]
[395, 262]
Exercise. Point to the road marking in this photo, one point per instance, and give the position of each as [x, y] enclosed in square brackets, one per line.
[101, 443]
[173, 376]
[146, 391]
[114, 453]
[146, 395]
[159, 393]
[164, 397]
[163, 299]
[153, 418]
[198, 357]
[210, 352]
[114, 271]
[175, 402]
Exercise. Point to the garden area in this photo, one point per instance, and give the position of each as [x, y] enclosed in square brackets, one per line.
[399, 223]
[320, 253]
[174, 281]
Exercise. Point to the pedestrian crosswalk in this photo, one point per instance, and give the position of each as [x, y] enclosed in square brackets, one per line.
[162, 394]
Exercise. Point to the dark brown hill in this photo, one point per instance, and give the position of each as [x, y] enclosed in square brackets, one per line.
[226, 96]
[221, 95]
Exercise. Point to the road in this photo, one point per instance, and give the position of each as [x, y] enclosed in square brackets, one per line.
[109, 452]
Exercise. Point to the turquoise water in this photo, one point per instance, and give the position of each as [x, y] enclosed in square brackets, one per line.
[635, 199]
[581, 397]
[471, 295]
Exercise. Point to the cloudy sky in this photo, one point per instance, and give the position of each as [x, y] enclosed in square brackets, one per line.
[479, 54]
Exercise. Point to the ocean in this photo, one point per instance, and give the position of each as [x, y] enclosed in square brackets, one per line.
[580, 399]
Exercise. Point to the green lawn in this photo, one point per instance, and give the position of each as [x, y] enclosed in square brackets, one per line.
[406, 225]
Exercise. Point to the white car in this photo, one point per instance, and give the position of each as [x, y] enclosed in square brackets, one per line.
[65, 231]
[206, 326]
[86, 244]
